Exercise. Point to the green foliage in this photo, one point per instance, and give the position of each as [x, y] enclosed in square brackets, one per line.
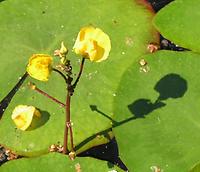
[158, 119]
[56, 162]
[155, 106]
[39, 27]
[179, 22]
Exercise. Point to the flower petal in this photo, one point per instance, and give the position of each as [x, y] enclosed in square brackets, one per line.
[39, 66]
[23, 116]
[92, 43]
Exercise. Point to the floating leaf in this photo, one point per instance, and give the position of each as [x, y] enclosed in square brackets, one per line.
[40, 26]
[57, 162]
[158, 113]
[179, 22]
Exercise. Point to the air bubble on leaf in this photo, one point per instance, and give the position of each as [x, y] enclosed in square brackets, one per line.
[31, 145]
[158, 120]
[129, 41]
[123, 52]
[114, 94]
[89, 76]
[89, 94]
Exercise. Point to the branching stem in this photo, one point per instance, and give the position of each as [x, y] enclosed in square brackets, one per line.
[33, 87]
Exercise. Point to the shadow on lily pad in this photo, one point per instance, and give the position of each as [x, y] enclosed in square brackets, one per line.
[142, 107]
[39, 122]
[170, 86]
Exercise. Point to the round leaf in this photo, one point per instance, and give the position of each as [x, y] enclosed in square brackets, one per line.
[157, 113]
[179, 22]
[39, 26]
[57, 162]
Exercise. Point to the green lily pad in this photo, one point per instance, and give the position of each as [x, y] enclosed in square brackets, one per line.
[158, 113]
[179, 22]
[39, 27]
[54, 162]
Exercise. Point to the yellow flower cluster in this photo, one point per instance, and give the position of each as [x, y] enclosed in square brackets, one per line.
[92, 43]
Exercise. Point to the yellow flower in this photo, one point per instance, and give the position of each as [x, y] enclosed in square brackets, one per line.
[23, 116]
[92, 43]
[40, 66]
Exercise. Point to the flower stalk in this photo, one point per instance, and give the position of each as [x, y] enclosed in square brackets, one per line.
[67, 125]
[92, 44]
[33, 87]
[79, 74]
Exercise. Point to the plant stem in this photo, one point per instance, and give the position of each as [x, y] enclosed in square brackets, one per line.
[67, 109]
[60, 73]
[79, 74]
[68, 125]
[46, 95]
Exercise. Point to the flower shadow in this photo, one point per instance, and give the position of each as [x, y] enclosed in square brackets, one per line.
[40, 122]
[170, 86]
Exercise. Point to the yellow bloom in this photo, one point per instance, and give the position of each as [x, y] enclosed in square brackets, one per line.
[23, 116]
[92, 43]
[39, 66]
